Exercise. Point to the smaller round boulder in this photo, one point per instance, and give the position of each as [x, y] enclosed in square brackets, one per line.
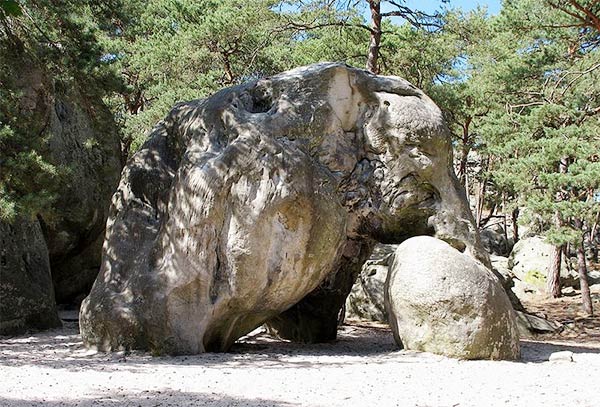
[442, 301]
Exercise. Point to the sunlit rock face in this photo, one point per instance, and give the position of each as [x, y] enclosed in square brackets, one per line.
[262, 202]
[442, 301]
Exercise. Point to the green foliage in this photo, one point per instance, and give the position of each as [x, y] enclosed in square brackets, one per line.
[543, 112]
[46, 47]
[10, 8]
[27, 180]
[521, 90]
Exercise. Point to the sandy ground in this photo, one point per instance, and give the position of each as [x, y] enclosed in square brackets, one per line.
[362, 368]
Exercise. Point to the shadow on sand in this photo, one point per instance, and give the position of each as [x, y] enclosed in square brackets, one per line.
[358, 343]
[538, 352]
[168, 398]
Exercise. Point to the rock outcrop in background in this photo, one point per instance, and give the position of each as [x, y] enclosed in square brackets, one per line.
[81, 136]
[26, 293]
[495, 240]
[261, 204]
[366, 300]
[529, 261]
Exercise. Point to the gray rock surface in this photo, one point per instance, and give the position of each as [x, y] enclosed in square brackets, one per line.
[26, 294]
[366, 300]
[495, 240]
[87, 141]
[262, 202]
[594, 277]
[529, 262]
[500, 268]
[500, 264]
[530, 323]
[442, 301]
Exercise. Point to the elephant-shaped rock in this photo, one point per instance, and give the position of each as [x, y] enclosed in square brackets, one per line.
[260, 204]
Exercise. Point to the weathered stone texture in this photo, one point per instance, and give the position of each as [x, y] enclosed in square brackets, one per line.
[442, 301]
[262, 202]
[81, 137]
[26, 295]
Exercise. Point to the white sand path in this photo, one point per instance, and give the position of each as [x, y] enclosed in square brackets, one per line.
[362, 368]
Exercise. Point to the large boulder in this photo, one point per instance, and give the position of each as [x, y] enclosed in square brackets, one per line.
[529, 262]
[366, 300]
[26, 294]
[80, 135]
[442, 301]
[261, 204]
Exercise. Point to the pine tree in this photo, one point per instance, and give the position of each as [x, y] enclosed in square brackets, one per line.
[59, 41]
[545, 126]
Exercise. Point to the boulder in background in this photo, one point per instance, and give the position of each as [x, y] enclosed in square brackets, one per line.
[366, 300]
[26, 293]
[529, 262]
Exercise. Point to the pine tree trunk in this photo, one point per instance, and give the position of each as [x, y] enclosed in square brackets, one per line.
[505, 227]
[586, 298]
[553, 277]
[464, 153]
[481, 191]
[591, 236]
[374, 43]
[515, 224]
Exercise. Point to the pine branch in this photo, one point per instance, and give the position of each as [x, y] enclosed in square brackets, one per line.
[417, 19]
[314, 26]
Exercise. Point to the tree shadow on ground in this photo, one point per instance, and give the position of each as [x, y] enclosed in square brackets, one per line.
[167, 398]
[538, 352]
[357, 344]
[64, 349]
